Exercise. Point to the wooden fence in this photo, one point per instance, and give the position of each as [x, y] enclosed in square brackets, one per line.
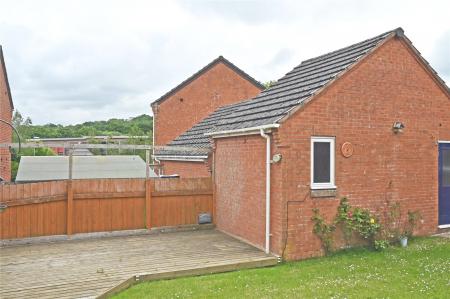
[82, 206]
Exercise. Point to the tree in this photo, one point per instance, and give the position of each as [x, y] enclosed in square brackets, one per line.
[269, 84]
[17, 119]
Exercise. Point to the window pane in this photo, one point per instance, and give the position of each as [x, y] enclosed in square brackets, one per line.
[446, 167]
[321, 162]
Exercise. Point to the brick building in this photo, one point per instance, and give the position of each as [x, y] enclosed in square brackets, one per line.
[370, 122]
[217, 84]
[6, 108]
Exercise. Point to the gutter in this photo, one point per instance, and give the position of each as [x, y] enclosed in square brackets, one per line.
[240, 131]
[181, 158]
[268, 161]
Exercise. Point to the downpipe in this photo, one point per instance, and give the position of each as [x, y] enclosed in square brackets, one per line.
[268, 162]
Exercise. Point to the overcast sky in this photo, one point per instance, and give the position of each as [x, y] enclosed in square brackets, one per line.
[75, 61]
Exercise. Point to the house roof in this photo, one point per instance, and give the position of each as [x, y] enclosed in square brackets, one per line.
[3, 65]
[293, 90]
[296, 87]
[219, 59]
[47, 168]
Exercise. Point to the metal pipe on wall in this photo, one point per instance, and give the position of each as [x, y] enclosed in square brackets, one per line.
[267, 137]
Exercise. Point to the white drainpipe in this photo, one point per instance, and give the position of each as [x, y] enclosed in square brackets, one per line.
[267, 249]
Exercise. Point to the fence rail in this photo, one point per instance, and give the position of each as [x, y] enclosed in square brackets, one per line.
[82, 206]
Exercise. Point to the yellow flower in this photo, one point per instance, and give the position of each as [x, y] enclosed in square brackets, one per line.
[372, 220]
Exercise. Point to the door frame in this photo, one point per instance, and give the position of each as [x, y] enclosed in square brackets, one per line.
[441, 142]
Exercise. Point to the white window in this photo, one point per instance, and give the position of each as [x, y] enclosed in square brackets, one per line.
[322, 163]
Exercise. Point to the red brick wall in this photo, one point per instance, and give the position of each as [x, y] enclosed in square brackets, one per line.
[5, 131]
[240, 187]
[361, 107]
[186, 169]
[219, 86]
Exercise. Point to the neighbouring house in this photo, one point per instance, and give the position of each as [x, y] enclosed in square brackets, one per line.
[6, 109]
[217, 84]
[370, 122]
[50, 168]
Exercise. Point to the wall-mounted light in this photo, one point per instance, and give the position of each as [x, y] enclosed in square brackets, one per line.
[276, 158]
[398, 127]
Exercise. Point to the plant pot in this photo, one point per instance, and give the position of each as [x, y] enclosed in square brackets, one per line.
[404, 241]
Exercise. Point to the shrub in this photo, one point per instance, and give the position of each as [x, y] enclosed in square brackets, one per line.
[351, 220]
[323, 230]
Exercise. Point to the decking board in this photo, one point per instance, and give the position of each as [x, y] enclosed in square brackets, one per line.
[68, 269]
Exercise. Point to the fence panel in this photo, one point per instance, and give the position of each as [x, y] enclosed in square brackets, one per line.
[35, 209]
[41, 209]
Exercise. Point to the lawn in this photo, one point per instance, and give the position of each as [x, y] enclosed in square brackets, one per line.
[420, 271]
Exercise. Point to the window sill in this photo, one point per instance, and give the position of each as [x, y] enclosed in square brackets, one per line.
[319, 193]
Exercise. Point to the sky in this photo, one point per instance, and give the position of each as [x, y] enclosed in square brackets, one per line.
[75, 61]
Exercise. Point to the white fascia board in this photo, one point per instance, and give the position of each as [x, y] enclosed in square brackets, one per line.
[182, 158]
[244, 131]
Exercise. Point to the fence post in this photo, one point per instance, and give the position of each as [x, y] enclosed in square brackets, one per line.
[70, 197]
[148, 203]
[69, 207]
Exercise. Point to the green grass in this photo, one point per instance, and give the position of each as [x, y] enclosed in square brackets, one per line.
[420, 271]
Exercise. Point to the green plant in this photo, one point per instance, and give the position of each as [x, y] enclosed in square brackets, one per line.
[364, 223]
[357, 220]
[351, 220]
[381, 244]
[413, 218]
[397, 226]
[323, 230]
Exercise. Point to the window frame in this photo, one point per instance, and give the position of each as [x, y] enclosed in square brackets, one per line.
[332, 183]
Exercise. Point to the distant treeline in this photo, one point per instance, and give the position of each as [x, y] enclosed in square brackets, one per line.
[135, 126]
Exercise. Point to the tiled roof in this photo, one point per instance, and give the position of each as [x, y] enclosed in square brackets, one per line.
[203, 70]
[296, 87]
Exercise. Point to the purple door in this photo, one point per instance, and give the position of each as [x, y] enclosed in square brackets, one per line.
[444, 183]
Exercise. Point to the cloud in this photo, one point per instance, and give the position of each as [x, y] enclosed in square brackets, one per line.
[441, 54]
[74, 61]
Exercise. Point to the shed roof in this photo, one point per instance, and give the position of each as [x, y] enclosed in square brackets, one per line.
[219, 59]
[3, 66]
[47, 168]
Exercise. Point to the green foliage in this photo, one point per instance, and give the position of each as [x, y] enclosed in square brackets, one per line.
[323, 230]
[269, 84]
[352, 220]
[381, 245]
[399, 225]
[136, 126]
[419, 271]
[366, 225]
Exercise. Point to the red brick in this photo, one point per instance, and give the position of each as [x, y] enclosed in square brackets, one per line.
[5, 130]
[218, 86]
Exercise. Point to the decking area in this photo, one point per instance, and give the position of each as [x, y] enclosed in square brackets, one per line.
[89, 268]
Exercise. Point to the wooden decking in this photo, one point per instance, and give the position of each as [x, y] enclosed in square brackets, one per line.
[91, 267]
